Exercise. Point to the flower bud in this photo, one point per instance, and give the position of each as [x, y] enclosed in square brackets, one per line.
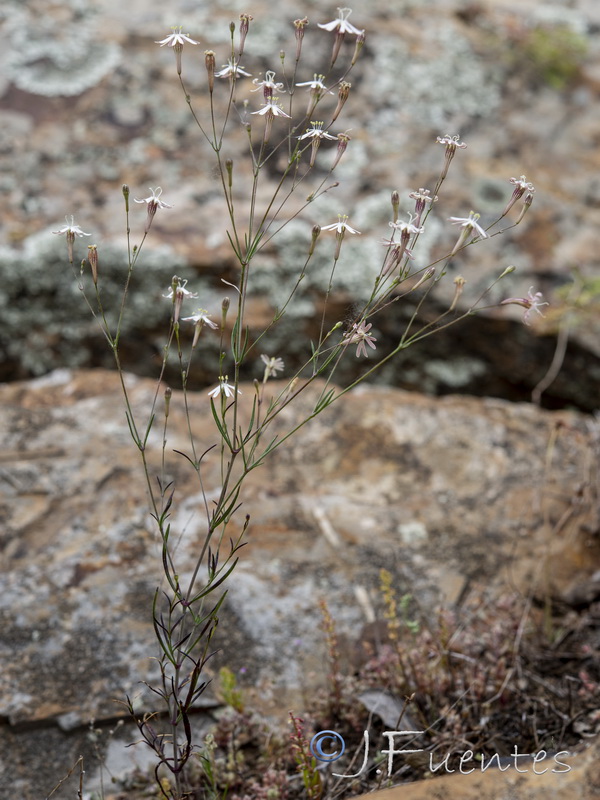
[209, 60]
[93, 262]
[343, 140]
[395, 205]
[125, 190]
[168, 394]
[526, 206]
[425, 277]
[229, 168]
[459, 284]
[507, 271]
[224, 310]
[244, 25]
[343, 93]
[360, 40]
[300, 24]
[315, 235]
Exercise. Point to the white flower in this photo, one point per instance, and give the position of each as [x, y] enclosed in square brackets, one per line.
[317, 132]
[268, 83]
[154, 199]
[341, 24]
[178, 290]
[272, 365]
[72, 229]
[470, 224]
[316, 84]
[341, 226]
[272, 106]
[225, 388]
[200, 318]
[406, 228]
[176, 38]
[533, 302]
[153, 202]
[232, 68]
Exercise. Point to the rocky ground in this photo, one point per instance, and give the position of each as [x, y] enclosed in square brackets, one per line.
[460, 497]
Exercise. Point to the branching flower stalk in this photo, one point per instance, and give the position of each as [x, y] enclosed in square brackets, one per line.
[248, 426]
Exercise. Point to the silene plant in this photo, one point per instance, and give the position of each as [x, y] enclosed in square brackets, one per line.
[292, 123]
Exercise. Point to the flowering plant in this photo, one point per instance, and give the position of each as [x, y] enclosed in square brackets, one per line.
[294, 140]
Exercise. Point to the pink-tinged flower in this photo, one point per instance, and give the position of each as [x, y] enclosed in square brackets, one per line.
[71, 232]
[452, 144]
[533, 302]
[360, 336]
[341, 24]
[395, 255]
[272, 366]
[407, 229]
[421, 198]
[225, 388]
[176, 38]
[153, 202]
[521, 186]
[232, 69]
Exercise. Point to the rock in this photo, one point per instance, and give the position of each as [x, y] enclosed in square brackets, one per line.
[533, 781]
[474, 70]
[449, 494]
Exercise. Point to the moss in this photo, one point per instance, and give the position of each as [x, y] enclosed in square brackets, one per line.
[555, 54]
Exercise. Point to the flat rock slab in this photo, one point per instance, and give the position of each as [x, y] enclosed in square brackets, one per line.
[581, 782]
[448, 494]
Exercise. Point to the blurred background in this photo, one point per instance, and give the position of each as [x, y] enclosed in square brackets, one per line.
[89, 101]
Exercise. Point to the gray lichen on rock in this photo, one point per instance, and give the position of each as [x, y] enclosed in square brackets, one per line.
[439, 84]
[54, 50]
